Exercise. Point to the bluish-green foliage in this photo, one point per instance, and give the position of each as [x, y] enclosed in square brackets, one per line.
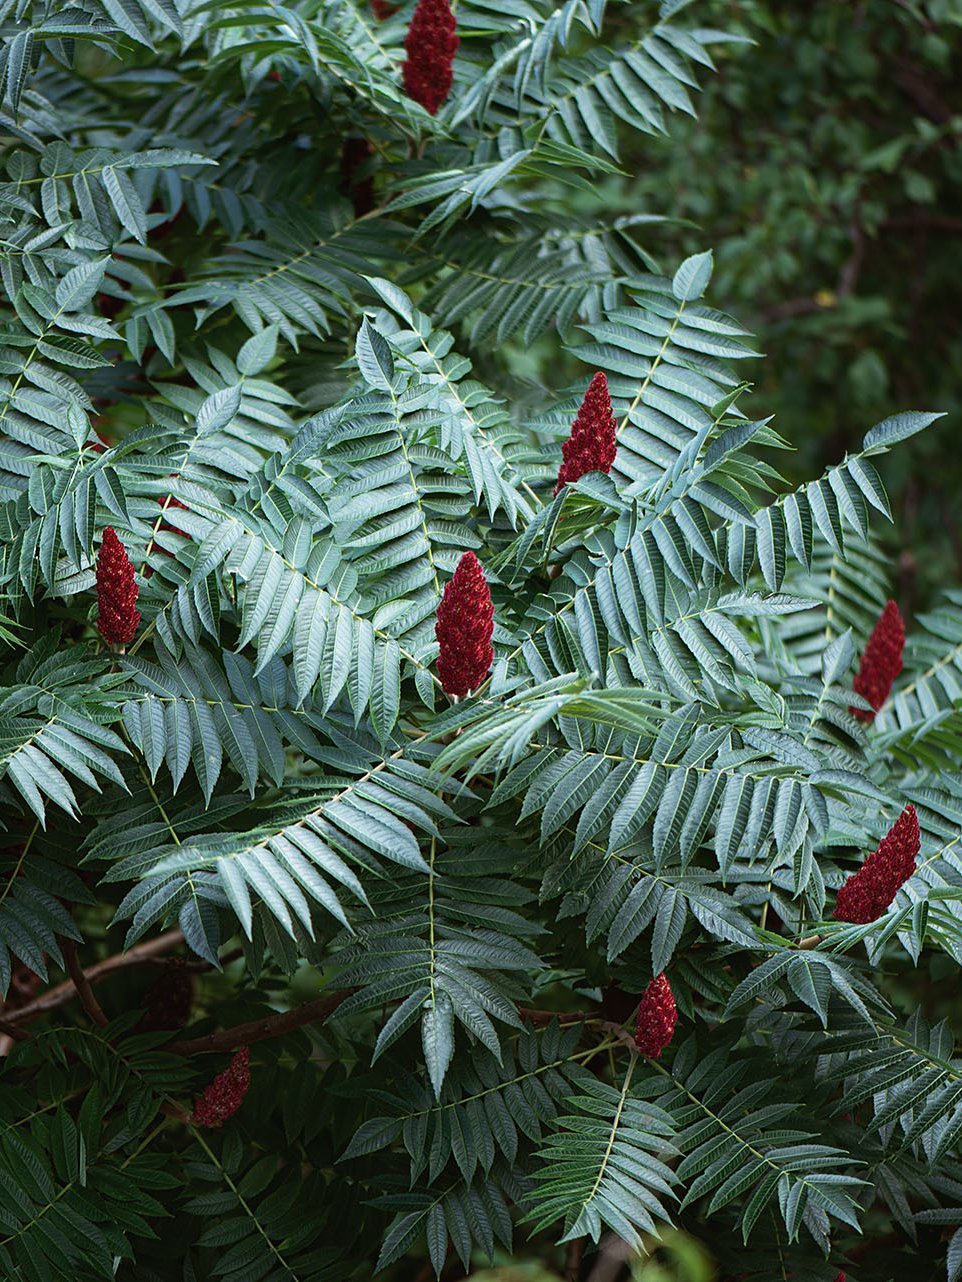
[273, 323]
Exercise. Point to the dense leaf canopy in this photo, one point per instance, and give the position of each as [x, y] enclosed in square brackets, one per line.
[264, 316]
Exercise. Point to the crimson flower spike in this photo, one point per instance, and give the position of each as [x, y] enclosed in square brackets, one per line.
[591, 446]
[430, 44]
[866, 894]
[881, 662]
[117, 618]
[465, 623]
[225, 1094]
[382, 9]
[657, 1017]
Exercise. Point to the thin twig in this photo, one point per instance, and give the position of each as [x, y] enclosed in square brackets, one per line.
[62, 994]
[14, 1033]
[259, 1030]
[575, 1254]
[81, 982]
[810, 941]
[562, 1016]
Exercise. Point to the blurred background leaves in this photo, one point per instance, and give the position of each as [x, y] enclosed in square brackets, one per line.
[826, 168]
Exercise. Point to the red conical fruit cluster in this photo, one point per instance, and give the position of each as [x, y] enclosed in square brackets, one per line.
[881, 662]
[657, 1017]
[868, 892]
[382, 9]
[839, 1277]
[118, 617]
[430, 44]
[225, 1094]
[591, 446]
[465, 623]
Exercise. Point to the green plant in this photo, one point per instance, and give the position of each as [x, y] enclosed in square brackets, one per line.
[262, 320]
[825, 166]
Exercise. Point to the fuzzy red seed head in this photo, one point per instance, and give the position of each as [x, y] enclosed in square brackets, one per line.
[226, 1092]
[430, 44]
[591, 446]
[118, 618]
[465, 623]
[839, 1277]
[382, 9]
[867, 893]
[881, 662]
[657, 1017]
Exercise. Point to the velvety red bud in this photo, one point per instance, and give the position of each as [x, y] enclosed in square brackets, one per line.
[881, 662]
[591, 446]
[430, 44]
[225, 1094]
[839, 1277]
[867, 893]
[118, 618]
[464, 626]
[657, 1017]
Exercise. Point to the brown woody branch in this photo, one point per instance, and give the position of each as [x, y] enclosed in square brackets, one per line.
[573, 1258]
[63, 993]
[562, 1016]
[259, 1030]
[316, 1011]
[13, 1033]
[81, 982]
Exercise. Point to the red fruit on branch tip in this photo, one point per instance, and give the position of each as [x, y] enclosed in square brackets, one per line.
[430, 44]
[464, 626]
[591, 446]
[117, 618]
[867, 893]
[657, 1017]
[882, 661]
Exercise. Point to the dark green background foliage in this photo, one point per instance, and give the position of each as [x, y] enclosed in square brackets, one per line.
[826, 167]
[302, 345]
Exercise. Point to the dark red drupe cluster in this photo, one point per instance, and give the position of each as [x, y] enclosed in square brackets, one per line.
[225, 1094]
[430, 44]
[591, 446]
[867, 893]
[118, 618]
[657, 1017]
[464, 626]
[881, 662]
